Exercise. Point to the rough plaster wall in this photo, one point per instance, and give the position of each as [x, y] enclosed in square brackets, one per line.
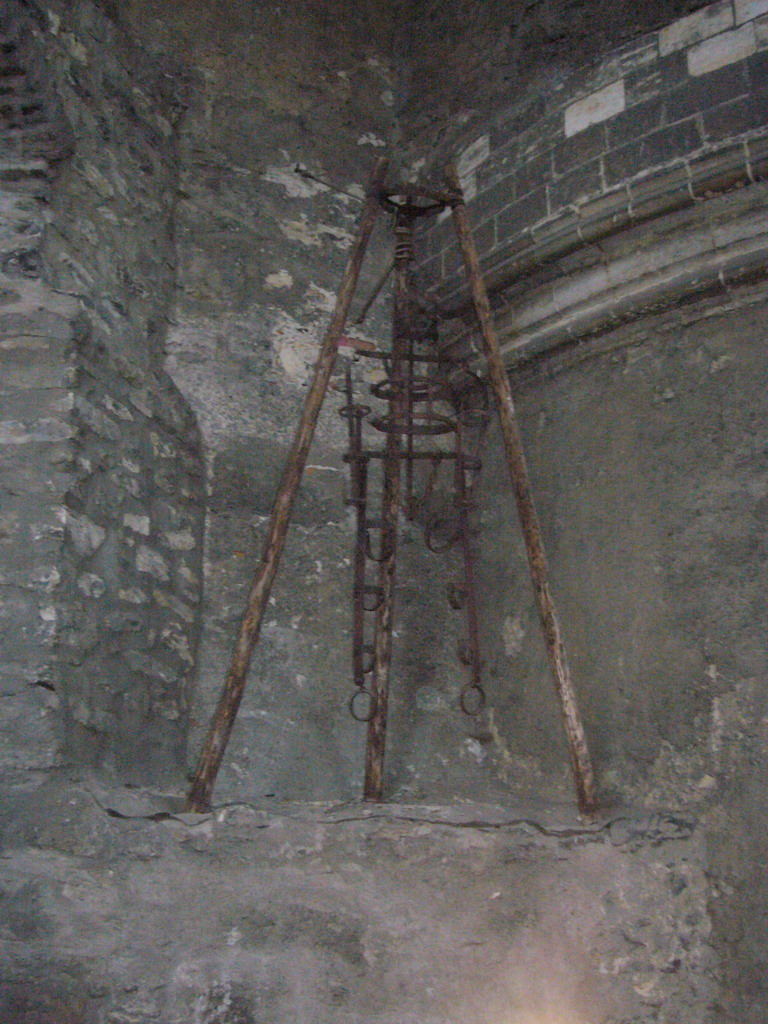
[261, 252]
[648, 458]
[647, 465]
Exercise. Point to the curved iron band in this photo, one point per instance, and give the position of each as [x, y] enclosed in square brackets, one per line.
[368, 651]
[465, 653]
[371, 591]
[366, 666]
[436, 199]
[439, 547]
[423, 425]
[478, 696]
[354, 411]
[384, 553]
[353, 701]
[420, 389]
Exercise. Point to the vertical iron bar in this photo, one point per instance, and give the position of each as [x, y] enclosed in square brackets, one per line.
[359, 498]
[518, 471]
[199, 797]
[470, 592]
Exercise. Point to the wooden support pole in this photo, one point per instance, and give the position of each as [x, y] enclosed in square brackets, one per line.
[373, 784]
[199, 798]
[518, 471]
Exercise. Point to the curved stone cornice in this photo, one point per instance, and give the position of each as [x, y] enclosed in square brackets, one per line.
[707, 248]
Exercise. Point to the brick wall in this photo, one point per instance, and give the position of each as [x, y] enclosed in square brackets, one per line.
[659, 124]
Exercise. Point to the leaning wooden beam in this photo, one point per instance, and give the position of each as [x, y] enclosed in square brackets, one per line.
[199, 798]
[518, 471]
[373, 783]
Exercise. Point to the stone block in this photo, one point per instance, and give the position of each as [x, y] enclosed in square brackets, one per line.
[31, 405]
[578, 184]
[578, 150]
[736, 118]
[603, 215]
[98, 422]
[533, 174]
[14, 432]
[722, 50]
[517, 251]
[757, 70]
[643, 84]
[702, 24]
[180, 540]
[520, 215]
[700, 94]
[430, 270]
[717, 172]
[484, 236]
[639, 120]
[474, 155]
[746, 10]
[597, 107]
[512, 122]
[555, 237]
[541, 136]
[661, 192]
[136, 523]
[29, 730]
[151, 562]
[428, 241]
[758, 158]
[490, 201]
[452, 260]
[673, 70]
[634, 56]
[27, 362]
[657, 149]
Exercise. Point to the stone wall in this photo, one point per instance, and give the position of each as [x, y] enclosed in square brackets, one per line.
[337, 914]
[460, 63]
[129, 570]
[662, 124]
[35, 424]
[176, 205]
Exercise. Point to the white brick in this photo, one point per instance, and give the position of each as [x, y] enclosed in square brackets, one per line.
[86, 535]
[596, 107]
[746, 10]
[696, 27]
[180, 540]
[151, 562]
[139, 524]
[722, 50]
[474, 155]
